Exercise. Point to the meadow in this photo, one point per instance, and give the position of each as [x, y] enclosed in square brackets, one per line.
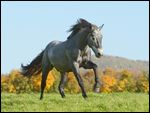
[102, 102]
[122, 91]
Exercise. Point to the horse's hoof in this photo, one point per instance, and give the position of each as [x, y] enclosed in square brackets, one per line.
[84, 96]
[63, 96]
[96, 90]
[41, 98]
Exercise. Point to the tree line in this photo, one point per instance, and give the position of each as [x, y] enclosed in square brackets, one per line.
[111, 80]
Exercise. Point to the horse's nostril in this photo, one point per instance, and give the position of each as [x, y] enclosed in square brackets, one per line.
[99, 54]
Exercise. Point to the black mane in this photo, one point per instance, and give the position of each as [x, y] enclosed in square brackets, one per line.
[81, 23]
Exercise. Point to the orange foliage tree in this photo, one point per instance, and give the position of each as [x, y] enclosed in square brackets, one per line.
[108, 81]
[111, 81]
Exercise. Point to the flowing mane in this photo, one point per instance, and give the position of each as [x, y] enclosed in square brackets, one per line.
[81, 23]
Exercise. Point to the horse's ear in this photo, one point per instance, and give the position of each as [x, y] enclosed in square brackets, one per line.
[100, 27]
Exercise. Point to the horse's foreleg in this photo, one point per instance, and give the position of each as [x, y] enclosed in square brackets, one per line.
[91, 65]
[97, 83]
[75, 69]
[61, 84]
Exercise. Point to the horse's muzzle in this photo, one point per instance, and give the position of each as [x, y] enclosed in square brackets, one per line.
[99, 53]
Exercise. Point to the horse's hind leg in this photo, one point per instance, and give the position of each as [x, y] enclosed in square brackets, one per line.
[45, 69]
[62, 83]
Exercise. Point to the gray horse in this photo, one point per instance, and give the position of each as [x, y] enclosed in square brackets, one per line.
[69, 56]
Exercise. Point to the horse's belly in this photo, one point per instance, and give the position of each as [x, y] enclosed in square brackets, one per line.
[59, 60]
[61, 65]
[63, 68]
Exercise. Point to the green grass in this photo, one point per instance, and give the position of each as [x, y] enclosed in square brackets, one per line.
[74, 102]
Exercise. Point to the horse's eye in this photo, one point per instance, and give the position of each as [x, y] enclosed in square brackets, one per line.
[93, 38]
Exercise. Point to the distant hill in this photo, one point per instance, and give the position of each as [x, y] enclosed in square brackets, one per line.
[120, 63]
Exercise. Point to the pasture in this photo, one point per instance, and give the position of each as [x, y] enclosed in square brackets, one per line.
[75, 102]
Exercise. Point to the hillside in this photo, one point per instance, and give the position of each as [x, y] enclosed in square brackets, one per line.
[120, 63]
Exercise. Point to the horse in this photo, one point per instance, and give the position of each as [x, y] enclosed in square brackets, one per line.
[69, 56]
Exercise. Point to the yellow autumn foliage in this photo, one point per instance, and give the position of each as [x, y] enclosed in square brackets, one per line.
[36, 80]
[72, 84]
[108, 83]
[111, 81]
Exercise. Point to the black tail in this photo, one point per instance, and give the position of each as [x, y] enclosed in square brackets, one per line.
[35, 67]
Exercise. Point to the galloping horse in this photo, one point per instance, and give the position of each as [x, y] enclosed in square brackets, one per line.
[69, 56]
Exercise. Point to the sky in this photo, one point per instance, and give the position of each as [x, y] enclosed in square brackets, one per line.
[27, 27]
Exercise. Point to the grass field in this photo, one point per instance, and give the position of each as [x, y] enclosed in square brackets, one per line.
[74, 102]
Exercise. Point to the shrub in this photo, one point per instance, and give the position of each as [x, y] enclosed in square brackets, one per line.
[111, 81]
[108, 83]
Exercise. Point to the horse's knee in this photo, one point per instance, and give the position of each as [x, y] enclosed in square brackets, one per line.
[95, 66]
[81, 83]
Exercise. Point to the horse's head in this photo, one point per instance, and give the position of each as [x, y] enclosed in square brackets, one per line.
[95, 40]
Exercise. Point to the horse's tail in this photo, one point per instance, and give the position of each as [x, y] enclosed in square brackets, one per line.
[34, 68]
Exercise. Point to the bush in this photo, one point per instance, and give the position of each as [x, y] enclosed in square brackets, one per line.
[108, 83]
[111, 81]
[143, 83]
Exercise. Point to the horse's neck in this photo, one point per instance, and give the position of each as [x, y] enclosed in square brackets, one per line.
[85, 50]
[79, 41]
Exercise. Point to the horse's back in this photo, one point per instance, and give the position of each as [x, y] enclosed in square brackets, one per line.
[54, 48]
[54, 43]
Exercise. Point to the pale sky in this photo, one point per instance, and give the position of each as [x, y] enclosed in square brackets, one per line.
[27, 27]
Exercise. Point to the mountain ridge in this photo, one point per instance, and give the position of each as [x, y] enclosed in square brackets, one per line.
[120, 63]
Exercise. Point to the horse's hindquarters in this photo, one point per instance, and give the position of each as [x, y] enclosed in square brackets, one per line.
[56, 52]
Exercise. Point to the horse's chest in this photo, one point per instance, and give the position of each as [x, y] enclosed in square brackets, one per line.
[79, 59]
[82, 58]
